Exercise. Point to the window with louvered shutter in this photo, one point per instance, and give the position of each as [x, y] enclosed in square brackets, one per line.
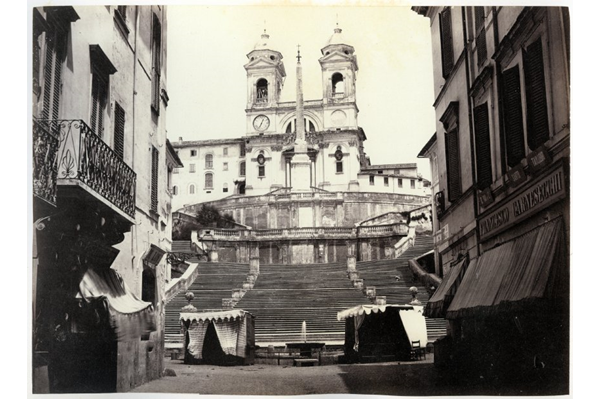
[208, 180]
[55, 52]
[243, 168]
[453, 164]
[480, 41]
[482, 146]
[154, 183]
[156, 65]
[99, 102]
[538, 130]
[446, 42]
[514, 140]
[119, 130]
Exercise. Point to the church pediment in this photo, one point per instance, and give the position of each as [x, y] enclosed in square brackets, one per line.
[338, 57]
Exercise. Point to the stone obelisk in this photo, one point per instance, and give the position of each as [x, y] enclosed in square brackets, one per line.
[300, 163]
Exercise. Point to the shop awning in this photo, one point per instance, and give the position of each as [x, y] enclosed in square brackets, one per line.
[414, 325]
[130, 317]
[217, 315]
[368, 309]
[528, 268]
[438, 303]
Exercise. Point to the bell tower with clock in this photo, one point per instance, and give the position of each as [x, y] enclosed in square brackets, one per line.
[265, 76]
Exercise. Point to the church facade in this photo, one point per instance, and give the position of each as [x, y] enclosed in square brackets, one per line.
[299, 182]
[261, 161]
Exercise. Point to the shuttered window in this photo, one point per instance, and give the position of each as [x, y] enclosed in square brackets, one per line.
[480, 42]
[55, 54]
[482, 146]
[243, 168]
[538, 130]
[208, 161]
[208, 181]
[156, 63]
[446, 42]
[154, 183]
[119, 130]
[453, 164]
[99, 101]
[514, 140]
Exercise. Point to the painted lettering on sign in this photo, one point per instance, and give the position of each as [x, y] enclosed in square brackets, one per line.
[540, 192]
[494, 221]
[531, 200]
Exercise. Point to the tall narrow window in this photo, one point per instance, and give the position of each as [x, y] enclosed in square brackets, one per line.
[225, 166]
[412, 183]
[54, 58]
[99, 102]
[371, 180]
[339, 163]
[482, 146]
[386, 181]
[225, 151]
[208, 161]
[156, 63]
[119, 130]
[208, 181]
[262, 91]
[261, 164]
[261, 171]
[192, 168]
[192, 189]
[243, 168]
[450, 121]
[538, 130]
[175, 190]
[154, 184]
[514, 140]
[242, 150]
[446, 42]
[480, 40]
[399, 182]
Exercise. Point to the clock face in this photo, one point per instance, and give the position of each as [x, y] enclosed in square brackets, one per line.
[261, 123]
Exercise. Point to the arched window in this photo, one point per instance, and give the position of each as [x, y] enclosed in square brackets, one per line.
[291, 126]
[262, 91]
[208, 161]
[339, 164]
[243, 168]
[192, 189]
[175, 190]
[225, 188]
[208, 181]
[337, 83]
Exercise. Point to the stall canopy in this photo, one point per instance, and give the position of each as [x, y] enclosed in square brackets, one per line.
[507, 277]
[379, 331]
[438, 303]
[129, 316]
[211, 336]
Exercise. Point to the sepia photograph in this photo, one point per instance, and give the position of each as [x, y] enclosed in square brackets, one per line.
[299, 198]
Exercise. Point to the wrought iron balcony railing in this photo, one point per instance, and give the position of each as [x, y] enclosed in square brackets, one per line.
[84, 157]
[45, 152]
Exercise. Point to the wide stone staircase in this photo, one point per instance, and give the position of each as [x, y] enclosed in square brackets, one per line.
[285, 296]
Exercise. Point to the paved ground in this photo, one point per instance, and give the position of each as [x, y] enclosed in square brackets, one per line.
[401, 379]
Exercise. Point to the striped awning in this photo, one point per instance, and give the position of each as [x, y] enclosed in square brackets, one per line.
[368, 309]
[528, 268]
[217, 315]
[438, 303]
[129, 316]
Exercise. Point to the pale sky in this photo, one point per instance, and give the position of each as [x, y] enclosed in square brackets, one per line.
[207, 47]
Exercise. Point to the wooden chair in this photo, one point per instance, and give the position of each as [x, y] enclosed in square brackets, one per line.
[416, 351]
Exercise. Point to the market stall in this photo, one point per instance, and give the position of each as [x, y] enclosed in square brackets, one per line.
[221, 337]
[376, 333]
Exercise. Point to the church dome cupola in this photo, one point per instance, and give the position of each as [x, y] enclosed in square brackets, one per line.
[337, 42]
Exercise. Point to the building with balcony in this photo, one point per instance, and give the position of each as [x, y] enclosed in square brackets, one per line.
[502, 144]
[102, 170]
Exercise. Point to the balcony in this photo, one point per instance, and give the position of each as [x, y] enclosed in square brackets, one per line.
[45, 152]
[85, 162]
